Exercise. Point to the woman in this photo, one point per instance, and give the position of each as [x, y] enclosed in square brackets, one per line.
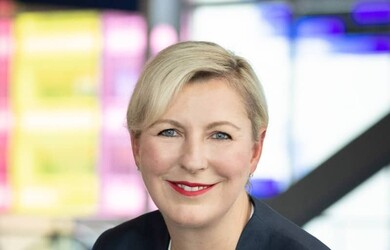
[197, 120]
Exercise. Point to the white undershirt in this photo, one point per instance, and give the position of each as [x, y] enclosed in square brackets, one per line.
[252, 211]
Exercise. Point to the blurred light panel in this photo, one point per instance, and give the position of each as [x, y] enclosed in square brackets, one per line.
[73, 73]
[371, 12]
[362, 44]
[5, 54]
[56, 108]
[124, 47]
[341, 88]
[161, 36]
[319, 26]
[265, 43]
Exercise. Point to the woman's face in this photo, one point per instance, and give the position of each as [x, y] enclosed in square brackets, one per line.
[196, 159]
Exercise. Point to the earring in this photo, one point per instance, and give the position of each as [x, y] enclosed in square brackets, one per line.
[250, 175]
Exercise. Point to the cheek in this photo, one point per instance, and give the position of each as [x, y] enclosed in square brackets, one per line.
[233, 162]
[155, 158]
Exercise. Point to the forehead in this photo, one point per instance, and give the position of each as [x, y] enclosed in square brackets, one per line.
[205, 99]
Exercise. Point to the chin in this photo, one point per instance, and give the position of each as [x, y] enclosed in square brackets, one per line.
[189, 218]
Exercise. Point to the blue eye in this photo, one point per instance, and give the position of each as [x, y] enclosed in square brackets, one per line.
[168, 133]
[221, 136]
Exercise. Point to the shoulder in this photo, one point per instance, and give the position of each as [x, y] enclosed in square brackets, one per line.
[144, 232]
[270, 230]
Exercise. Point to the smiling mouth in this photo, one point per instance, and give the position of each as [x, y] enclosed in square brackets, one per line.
[190, 189]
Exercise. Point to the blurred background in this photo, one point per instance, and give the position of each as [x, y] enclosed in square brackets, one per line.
[67, 70]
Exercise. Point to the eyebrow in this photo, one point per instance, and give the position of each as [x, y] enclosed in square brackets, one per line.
[169, 121]
[209, 126]
[222, 123]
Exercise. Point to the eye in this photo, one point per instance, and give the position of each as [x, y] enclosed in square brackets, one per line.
[168, 133]
[221, 136]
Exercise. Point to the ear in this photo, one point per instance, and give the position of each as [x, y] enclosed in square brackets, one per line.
[135, 147]
[257, 149]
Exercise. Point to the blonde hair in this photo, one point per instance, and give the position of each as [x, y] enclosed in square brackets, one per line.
[188, 62]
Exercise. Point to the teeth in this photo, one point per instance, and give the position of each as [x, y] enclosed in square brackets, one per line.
[191, 189]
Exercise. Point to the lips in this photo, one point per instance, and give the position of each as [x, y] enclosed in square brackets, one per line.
[190, 189]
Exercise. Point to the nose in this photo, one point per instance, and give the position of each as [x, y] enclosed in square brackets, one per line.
[193, 157]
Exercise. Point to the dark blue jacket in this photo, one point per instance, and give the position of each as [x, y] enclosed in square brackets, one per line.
[265, 230]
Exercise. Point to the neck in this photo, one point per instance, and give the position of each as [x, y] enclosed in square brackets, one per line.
[224, 233]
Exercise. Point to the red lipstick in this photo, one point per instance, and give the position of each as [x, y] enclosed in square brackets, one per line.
[189, 188]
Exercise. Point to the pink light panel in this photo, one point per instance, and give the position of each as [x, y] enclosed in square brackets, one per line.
[5, 52]
[122, 190]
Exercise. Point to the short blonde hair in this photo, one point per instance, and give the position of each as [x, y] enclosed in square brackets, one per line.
[187, 62]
